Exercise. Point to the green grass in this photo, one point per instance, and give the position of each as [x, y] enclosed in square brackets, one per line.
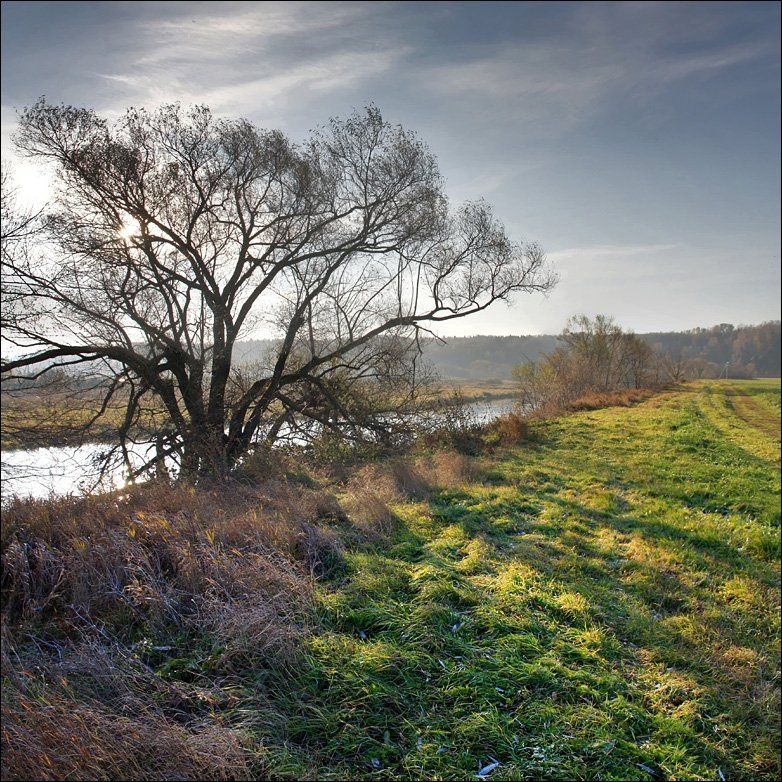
[603, 604]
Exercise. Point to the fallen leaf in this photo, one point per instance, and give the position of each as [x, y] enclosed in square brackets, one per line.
[488, 769]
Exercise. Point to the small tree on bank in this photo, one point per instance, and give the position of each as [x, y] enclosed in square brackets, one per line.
[595, 356]
[174, 233]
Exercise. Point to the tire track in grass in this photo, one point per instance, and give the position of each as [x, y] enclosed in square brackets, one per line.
[757, 415]
[741, 420]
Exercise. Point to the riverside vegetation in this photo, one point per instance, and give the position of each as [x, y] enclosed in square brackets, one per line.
[591, 596]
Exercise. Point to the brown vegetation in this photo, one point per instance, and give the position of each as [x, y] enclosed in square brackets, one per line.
[89, 586]
[597, 365]
[512, 428]
[94, 715]
[623, 398]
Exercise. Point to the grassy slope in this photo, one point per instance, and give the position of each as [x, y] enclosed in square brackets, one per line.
[604, 604]
[600, 603]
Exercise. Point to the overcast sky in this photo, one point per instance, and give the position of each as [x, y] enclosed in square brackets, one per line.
[638, 143]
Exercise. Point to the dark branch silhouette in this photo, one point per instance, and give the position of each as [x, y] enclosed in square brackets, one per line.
[175, 233]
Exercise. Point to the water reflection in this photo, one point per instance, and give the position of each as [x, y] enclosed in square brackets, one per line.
[57, 471]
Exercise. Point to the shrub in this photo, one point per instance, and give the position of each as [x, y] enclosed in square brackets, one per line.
[512, 428]
[454, 426]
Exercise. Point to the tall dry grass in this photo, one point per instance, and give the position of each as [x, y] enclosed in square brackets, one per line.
[598, 399]
[90, 587]
[88, 711]
[371, 490]
[101, 594]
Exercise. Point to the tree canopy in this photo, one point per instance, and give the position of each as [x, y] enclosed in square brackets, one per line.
[175, 233]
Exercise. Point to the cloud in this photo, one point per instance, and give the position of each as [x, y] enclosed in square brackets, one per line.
[609, 251]
[557, 82]
[295, 83]
[596, 128]
[615, 264]
[245, 59]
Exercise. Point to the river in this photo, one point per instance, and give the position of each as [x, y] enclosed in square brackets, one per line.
[60, 471]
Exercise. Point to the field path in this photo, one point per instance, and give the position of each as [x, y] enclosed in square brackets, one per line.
[746, 413]
[755, 413]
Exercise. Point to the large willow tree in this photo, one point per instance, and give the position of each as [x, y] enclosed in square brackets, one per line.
[174, 234]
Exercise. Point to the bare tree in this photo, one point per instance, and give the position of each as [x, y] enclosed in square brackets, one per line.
[595, 356]
[675, 366]
[608, 357]
[19, 228]
[700, 368]
[175, 233]
[637, 370]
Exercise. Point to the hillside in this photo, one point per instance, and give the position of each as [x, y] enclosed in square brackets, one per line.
[751, 350]
[552, 609]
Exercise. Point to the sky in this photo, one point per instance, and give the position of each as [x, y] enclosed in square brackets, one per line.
[638, 143]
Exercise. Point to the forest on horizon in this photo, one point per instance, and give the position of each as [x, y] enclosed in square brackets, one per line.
[751, 351]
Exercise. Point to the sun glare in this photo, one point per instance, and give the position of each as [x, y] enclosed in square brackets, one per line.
[128, 229]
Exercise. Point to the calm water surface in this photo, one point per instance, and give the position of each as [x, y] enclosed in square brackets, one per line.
[47, 472]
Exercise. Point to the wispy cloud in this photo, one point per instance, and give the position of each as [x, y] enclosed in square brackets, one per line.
[557, 82]
[609, 251]
[252, 59]
[264, 86]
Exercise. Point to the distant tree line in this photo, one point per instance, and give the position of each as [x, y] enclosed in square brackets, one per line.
[750, 351]
[596, 357]
[753, 351]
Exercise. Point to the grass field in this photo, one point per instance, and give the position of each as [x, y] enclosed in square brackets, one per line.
[602, 602]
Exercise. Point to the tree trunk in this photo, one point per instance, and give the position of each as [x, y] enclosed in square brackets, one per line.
[206, 453]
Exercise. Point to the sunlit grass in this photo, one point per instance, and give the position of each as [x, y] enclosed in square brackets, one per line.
[601, 602]
[605, 606]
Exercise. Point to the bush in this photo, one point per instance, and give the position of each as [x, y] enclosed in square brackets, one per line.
[454, 426]
[512, 428]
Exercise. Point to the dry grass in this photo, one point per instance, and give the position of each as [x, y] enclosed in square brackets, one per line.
[142, 556]
[512, 428]
[225, 573]
[370, 491]
[95, 714]
[447, 469]
[90, 584]
[597, 399]
[66, 739]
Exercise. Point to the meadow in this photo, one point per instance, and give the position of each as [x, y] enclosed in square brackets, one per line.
[598, 599]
